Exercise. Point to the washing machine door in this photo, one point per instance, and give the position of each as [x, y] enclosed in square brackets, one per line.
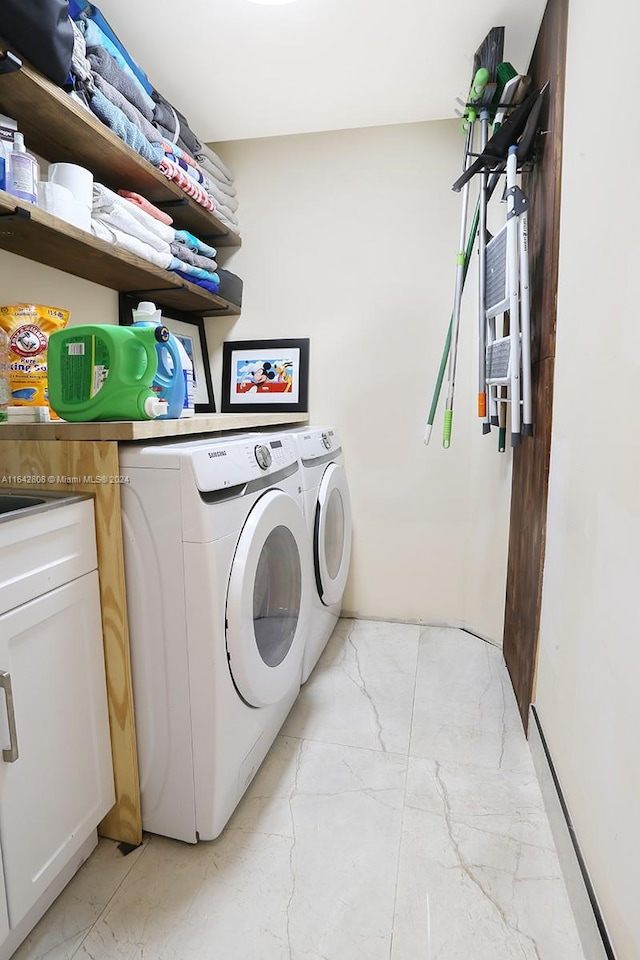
[332, 535]
[268, 601]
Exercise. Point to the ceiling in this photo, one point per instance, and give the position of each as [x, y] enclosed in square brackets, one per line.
[239, 69]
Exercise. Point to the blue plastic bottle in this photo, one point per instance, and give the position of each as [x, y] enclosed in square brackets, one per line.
[169, 379]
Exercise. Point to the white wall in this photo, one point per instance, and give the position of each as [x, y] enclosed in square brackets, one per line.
[22, 281]
[350, 239]
[588, 679]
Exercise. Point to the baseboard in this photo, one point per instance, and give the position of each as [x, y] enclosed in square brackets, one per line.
[450, 624]
[589, 920]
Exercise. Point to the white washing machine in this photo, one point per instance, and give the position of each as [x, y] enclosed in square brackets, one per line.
[219, 584]
[327, 509]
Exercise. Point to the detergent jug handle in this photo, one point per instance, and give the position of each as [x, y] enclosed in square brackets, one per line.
[169, 342]
[148, 344]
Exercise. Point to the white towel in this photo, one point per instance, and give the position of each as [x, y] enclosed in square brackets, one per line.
[105, 201]
[105, 230]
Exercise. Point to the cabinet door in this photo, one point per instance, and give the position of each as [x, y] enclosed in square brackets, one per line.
[4, 919]
[61, 783]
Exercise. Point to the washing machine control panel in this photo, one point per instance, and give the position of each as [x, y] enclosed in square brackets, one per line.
[219, 465]
[263, 456]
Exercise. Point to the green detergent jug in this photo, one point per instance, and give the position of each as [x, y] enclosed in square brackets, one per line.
[104, 372]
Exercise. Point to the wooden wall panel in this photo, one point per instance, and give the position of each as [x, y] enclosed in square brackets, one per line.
[527, 534]
[63, 460]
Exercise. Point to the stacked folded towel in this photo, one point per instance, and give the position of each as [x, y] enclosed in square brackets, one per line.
[142, 230]
[113, 94]
[220, 186]
[118, 92]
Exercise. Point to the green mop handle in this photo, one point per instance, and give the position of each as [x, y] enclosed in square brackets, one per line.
[447, 345]
[438, 385]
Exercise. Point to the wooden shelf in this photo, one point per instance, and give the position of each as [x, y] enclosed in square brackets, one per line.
[60, 130]
[33, 233]
[124, 430]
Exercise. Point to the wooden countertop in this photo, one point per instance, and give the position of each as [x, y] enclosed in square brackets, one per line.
[123, 430]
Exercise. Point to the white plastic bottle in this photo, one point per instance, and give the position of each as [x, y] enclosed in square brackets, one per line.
[22, 178]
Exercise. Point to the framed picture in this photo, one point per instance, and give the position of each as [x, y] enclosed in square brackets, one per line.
[262, 376]
[191, 333]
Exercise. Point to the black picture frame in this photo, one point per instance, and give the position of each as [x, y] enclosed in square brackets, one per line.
[281, 387]
[191, 332]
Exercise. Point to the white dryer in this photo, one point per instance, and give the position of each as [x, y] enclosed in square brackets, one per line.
[327, 509]
[219, 584]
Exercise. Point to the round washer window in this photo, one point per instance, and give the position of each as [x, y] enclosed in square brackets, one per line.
[277, 595]
[334, 533]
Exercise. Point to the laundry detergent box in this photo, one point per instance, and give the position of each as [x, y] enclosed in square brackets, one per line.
[28, 326]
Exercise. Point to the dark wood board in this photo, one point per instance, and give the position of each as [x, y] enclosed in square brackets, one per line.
[531, 458]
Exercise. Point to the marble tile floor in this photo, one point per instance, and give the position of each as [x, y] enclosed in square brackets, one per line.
[396, 817]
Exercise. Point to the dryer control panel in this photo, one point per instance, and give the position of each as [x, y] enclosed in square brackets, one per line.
[223, 464]
[263, 456]
[315, 442]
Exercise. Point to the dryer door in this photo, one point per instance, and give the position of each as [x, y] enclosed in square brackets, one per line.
[332, 535]
[268, 601]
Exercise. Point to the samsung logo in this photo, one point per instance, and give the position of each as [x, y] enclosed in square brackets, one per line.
[217, 453]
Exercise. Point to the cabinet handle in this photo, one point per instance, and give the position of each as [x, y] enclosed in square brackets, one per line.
[10, 755]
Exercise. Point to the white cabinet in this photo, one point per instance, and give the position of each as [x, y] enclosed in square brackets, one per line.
[56, 780]
[4, 918]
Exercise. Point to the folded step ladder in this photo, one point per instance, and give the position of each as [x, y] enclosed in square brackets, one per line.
[508, 350]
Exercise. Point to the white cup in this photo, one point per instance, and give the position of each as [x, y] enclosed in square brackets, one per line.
[74, 178]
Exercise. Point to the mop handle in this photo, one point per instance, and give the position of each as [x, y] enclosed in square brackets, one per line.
[447, 345]
[461, 267]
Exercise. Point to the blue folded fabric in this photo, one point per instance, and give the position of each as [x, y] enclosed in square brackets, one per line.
[198, 246]
[115, 119]
[88, 11]
[205, 284]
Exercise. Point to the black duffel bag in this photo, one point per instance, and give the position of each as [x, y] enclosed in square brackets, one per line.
[41, 31]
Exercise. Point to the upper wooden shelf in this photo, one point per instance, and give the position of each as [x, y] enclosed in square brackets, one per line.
[123, 430]
[60, 130]
[33, 233]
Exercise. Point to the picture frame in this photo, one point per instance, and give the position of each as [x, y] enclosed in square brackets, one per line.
[265, 376]
[191, 332]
